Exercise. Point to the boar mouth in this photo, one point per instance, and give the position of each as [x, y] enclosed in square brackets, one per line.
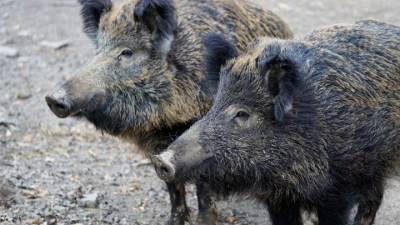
[200, 172]
[96, 108]
[168, 169]
[61, 107]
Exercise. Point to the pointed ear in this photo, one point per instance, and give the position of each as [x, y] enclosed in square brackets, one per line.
[282, 81]
[159, 18]
[217, 51]
[91, 12]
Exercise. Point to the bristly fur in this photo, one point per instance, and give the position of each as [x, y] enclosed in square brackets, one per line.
[217, 51]
[91, 12]
[322, 128]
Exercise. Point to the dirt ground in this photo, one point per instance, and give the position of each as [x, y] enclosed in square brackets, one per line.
[57, 171]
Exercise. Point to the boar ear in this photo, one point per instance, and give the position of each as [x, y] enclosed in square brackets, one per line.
[91, 12]
[217, 51]
[282, 80]
[159, 17]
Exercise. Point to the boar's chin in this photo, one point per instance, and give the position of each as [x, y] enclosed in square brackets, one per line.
[204, 172]
[104, 122]
[100, 111]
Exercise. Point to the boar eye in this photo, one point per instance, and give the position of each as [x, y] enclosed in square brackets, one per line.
[242, 115]
[126, 53]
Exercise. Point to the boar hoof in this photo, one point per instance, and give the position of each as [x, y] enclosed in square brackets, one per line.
[203, 221]
[179, 220]
[208, 218]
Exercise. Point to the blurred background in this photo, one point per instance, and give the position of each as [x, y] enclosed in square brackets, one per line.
[56, 171]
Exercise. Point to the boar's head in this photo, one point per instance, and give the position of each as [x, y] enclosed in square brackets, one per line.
[130, 83]
[259, 132]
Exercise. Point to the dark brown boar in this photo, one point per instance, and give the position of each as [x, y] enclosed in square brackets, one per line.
[146, 82]
[305, 124]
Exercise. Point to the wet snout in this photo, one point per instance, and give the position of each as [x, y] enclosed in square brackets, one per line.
[59, 103]
[164, 166]
[76, 95]
[181, 157]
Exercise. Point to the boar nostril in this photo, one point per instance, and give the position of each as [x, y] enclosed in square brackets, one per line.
[59, 106]
[166, 172]
[164, 169]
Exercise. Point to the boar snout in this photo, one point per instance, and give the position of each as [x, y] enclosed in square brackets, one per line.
[164, 167]
[182, 156]
[78, 96]
[59, 104]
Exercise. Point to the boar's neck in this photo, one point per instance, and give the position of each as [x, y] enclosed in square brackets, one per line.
[155, 141]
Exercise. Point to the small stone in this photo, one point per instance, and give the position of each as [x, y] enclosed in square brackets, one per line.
[34, 193]
[51, 220]
[9, 52]
[89, 200]
[74, 178]
[56, 45]
[230, 219]
[284, 6]
[23, 95]
[35, 222]
[23, 33]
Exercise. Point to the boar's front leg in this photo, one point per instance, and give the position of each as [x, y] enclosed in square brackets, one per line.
[179, 210]
[335, 210]
[285, 213]
[208, 214]
[369, 205]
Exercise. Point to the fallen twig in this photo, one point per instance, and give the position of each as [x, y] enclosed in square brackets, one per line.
[7, 124]
[64, 4]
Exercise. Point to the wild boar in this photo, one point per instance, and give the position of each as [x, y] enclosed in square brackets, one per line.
[301, 124]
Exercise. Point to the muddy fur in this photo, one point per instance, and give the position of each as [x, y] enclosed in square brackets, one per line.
[146, 83]
[311, 123]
